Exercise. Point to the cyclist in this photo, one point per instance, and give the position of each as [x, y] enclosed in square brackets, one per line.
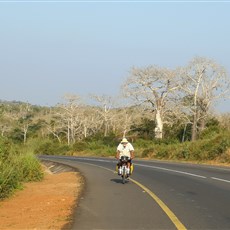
[125, 148]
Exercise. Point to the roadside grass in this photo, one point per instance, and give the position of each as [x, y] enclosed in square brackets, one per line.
[16, 166]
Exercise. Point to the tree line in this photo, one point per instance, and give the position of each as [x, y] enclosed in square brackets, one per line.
[154, 102]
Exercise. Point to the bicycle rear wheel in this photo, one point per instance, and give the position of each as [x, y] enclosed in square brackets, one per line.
[123, 175]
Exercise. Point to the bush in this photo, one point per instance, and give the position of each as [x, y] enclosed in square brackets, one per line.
[16, 167]
[162, 154]
[9, 180]
[147, 152]
[30, 168]
[141, 143]
[210, 132]
[52, 148]
[110, 140]
[79, 146]
[4, 149]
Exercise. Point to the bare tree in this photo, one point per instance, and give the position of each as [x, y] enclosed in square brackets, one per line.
[71, 116]
[152, 85]
[55, 127]
[5, 122]
[203, 82]
[25, 119]
[126, 117]
[16, 116]
[91, 121]
[106, 104]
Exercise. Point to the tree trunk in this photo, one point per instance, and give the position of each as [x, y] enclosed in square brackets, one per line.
[194, 127]
[183, 137]
[159, 125]
[68, 133]
[25, 133]
[106, 129]
[85, 131]
[202, 124]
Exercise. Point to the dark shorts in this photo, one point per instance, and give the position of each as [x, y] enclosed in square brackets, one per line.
[119, 162]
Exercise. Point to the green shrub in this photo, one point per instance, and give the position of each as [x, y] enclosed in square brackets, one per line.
[162, 154]
[109, 140]
[141, 143]
[79, 146]
[52, 148]
[30, 168]
[147, 152]
[9, 180]
[4, 149]
[16, 167]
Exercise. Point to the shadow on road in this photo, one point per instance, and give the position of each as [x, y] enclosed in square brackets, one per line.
[118, 181]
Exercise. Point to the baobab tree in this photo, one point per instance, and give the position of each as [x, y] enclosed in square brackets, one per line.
[203, 83]
[152, 85]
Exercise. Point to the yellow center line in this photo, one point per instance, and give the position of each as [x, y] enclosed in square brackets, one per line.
[164, 207]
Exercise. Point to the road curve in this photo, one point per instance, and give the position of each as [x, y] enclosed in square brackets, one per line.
[193, 196]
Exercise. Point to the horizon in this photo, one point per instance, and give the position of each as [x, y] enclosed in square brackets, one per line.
[51, 48]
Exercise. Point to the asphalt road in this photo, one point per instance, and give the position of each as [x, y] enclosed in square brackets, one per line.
[160, 195]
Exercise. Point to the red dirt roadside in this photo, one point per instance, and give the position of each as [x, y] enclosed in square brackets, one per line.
[43, 205]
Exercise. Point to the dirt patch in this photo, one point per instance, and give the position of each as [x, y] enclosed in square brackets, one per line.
[43, 205]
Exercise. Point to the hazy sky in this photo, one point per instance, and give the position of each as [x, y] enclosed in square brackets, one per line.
[50, 48]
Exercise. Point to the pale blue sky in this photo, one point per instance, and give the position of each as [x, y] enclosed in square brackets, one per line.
[48, 49]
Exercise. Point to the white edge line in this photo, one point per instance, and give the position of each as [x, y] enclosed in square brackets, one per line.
[171, 170]
[214, 178]
[165, 169]
[149, 166]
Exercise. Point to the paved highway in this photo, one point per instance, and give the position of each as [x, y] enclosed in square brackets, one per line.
[160, 195]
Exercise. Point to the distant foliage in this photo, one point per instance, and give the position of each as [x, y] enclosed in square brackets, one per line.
[49, 147]
[214, 148]
[79, 146]
[47, 132]
[213, 128]
[145, 129]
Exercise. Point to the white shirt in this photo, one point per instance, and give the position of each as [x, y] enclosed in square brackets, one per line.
[125, 149]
